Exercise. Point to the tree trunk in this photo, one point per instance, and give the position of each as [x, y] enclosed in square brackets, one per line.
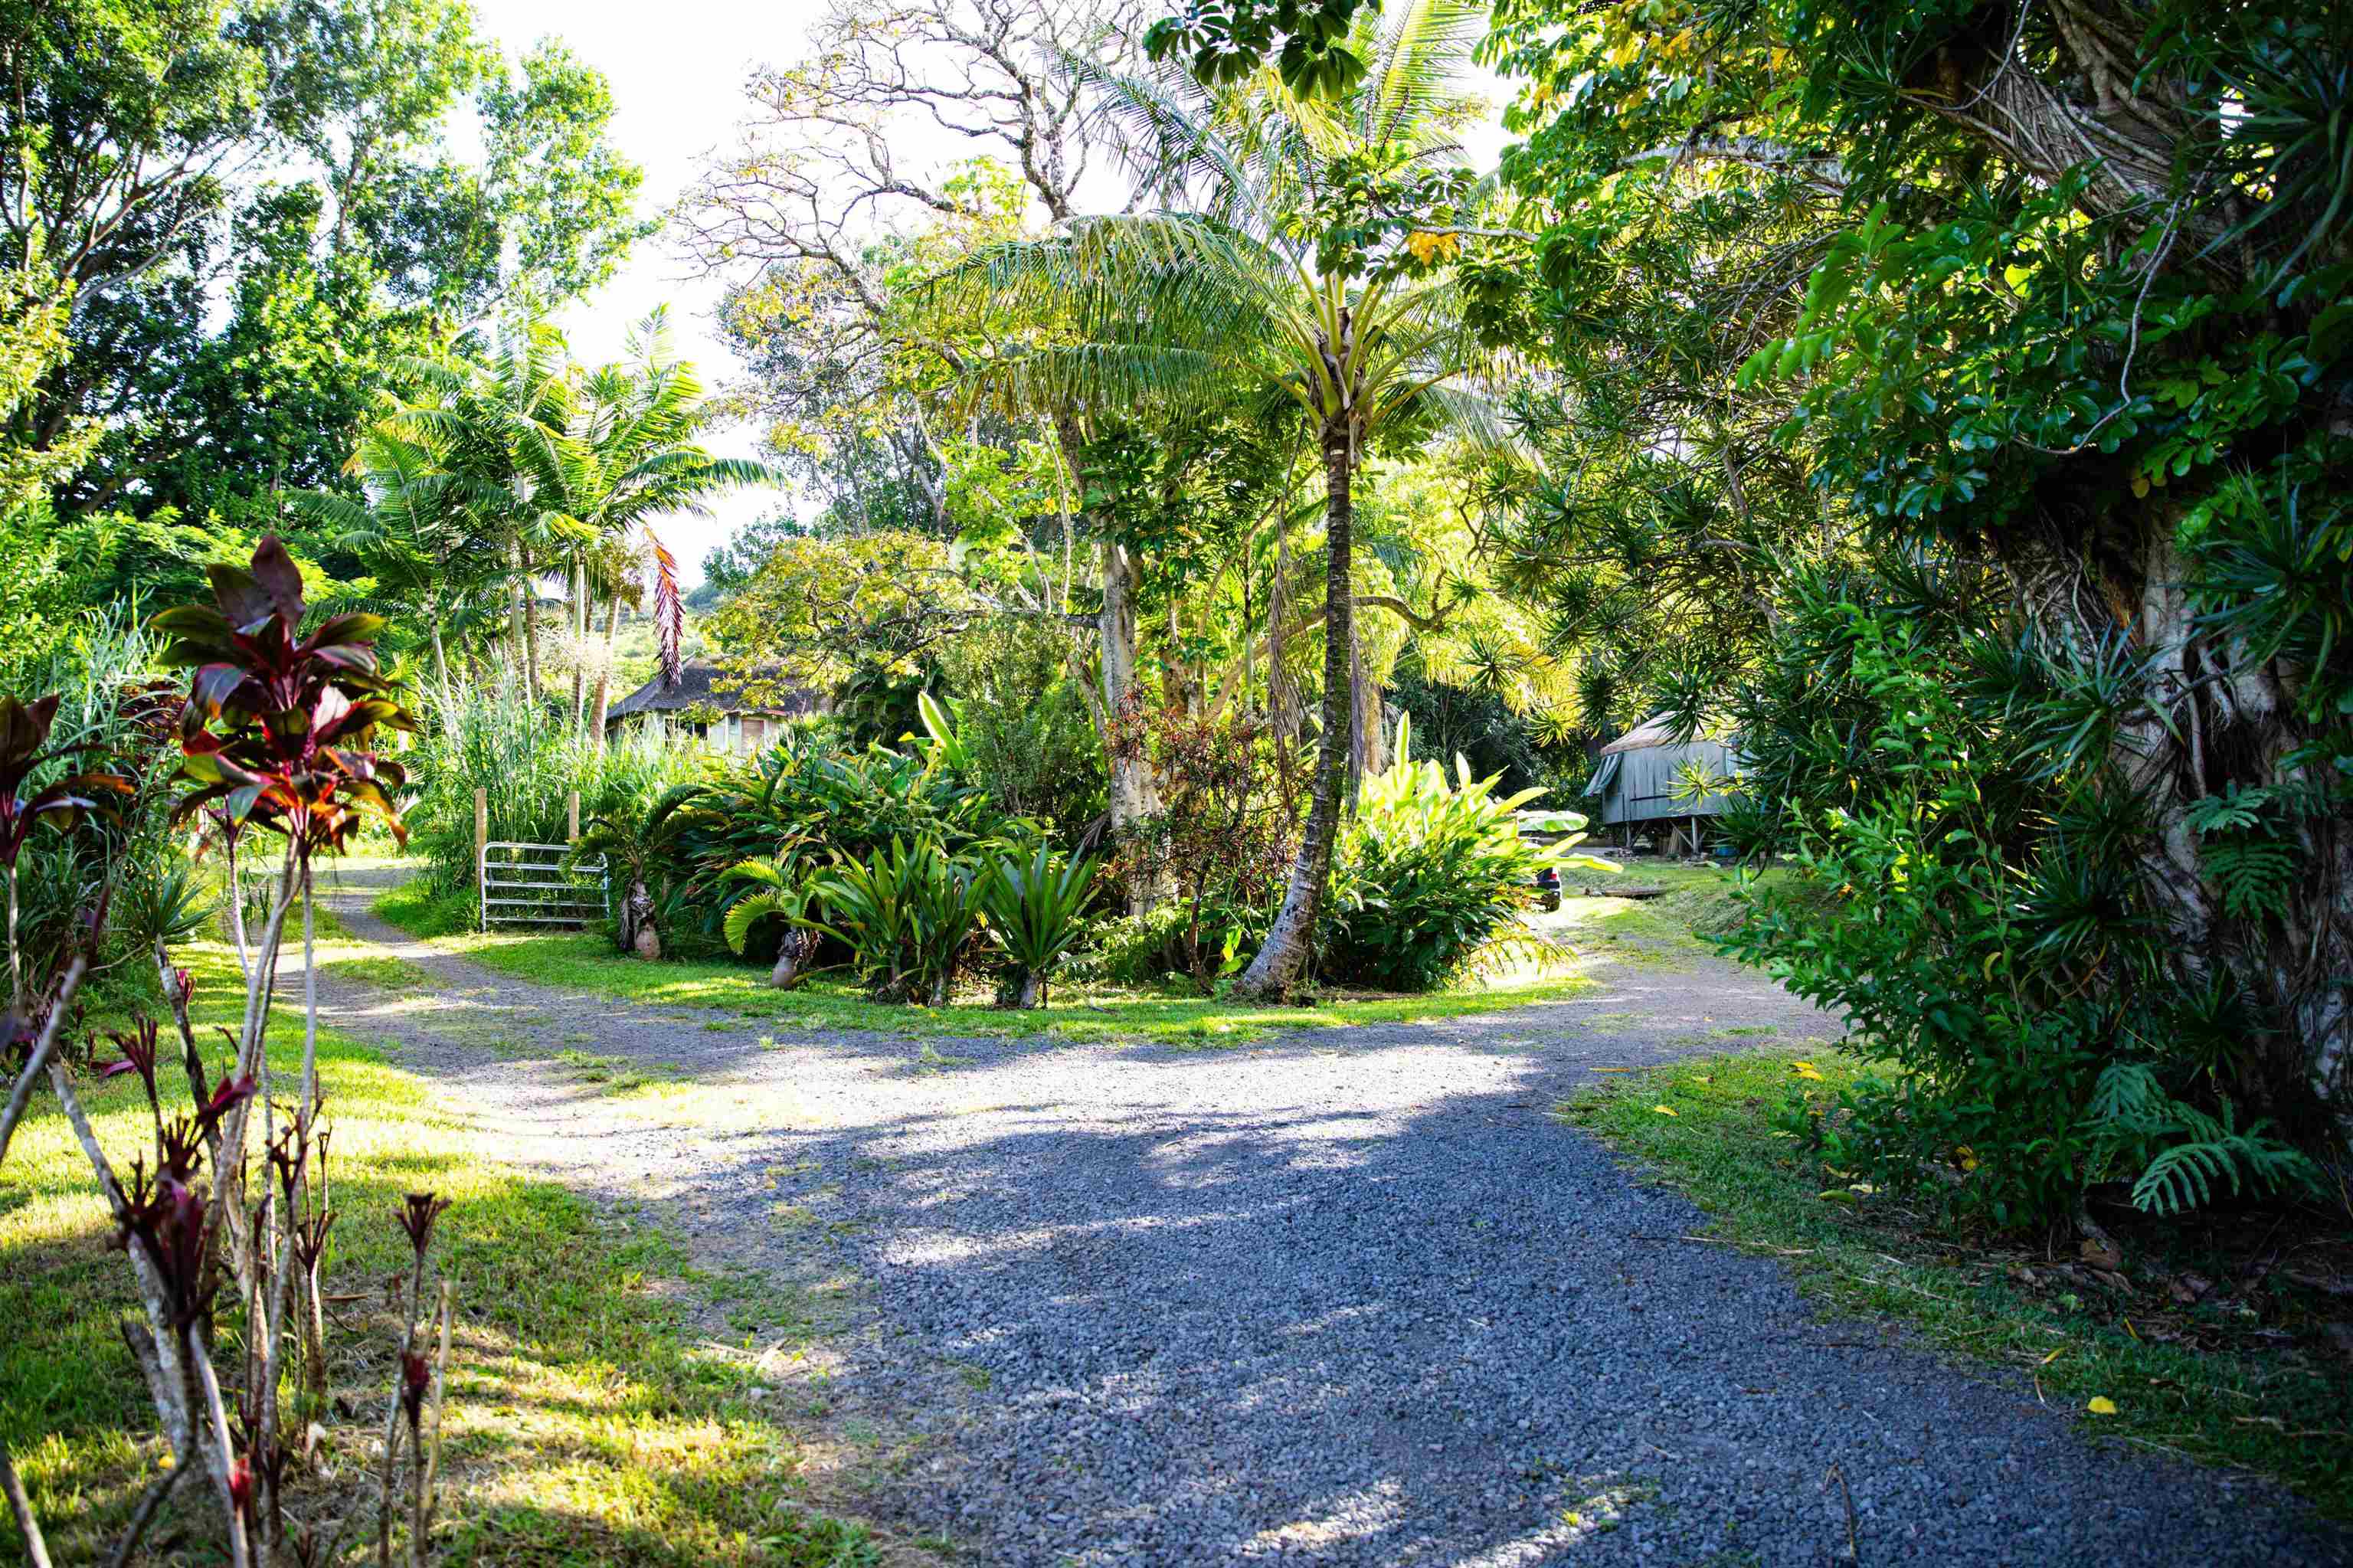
[530, 633]
[2219, 719]
[441, 659]
[796, 950]
[605, 673]
[1133, 797]
[1033, 990]
[518, 662]
[578, 617]
[1369, 752]
[637, 933]
[1288, 943]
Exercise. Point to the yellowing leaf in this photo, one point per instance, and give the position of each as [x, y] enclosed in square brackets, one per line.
[2054, 1355]
[1663, 1110]
[2139, 485]
[2102, 1405]
[1427, 247]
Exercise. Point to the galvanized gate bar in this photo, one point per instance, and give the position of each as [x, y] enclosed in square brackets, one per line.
[558, 890]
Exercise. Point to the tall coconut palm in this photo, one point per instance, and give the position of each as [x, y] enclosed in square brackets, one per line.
[1294, 269]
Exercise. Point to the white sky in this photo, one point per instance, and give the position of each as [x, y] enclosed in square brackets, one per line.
[677, 70]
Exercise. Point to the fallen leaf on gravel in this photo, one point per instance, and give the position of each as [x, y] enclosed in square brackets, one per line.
[2102, 1405]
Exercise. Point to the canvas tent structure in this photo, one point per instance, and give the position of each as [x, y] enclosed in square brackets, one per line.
[1636, 789]
[720, 720]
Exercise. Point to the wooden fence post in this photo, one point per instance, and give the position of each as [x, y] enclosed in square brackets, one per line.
[481, 830]
[572, 809]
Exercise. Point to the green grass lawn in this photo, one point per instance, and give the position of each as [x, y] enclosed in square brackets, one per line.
[587, 962]
[591, 1419]
[2242, 1375]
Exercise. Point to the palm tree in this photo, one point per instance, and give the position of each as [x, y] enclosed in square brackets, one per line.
[503, 468]
[635, 458]
[417, 532]
[1286, 278]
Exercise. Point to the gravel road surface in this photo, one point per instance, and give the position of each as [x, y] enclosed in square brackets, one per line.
[1352, 1297]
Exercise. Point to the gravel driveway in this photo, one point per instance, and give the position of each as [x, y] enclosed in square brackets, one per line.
[1347, 1297]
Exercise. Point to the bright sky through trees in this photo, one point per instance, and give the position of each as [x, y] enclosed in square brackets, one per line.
[677, 87]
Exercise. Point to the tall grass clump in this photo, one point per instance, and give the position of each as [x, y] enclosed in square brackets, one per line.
[530, 758]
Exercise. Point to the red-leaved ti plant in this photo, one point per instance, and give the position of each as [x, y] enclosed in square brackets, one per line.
[274, 734]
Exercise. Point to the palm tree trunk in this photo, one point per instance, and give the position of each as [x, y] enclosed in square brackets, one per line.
[517, 662]
[1288, 943]
[605, 672]
[440, 657]
[530, 631]
[579, 629]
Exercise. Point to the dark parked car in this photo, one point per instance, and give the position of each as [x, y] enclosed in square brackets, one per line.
[1548, 888]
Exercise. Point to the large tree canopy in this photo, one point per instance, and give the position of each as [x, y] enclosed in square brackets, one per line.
[2042, 309]
[252, 211]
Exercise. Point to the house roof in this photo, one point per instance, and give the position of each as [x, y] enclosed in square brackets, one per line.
[1659, 729]
[695, 688]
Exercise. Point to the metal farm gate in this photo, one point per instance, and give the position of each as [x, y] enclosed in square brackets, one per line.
[539, 884]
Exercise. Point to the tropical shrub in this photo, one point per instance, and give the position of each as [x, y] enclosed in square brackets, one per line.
[906, 915]
[1143, 950]
[1431, 877]
[1222, 840]
[1022, 721]
[1035, 910]
[1966, 896]
[217, 1224]
[806, 788]
[780, 890]
[93, 749]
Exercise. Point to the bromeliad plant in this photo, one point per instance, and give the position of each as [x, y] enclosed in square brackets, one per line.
[273, 736]
[906, 915]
